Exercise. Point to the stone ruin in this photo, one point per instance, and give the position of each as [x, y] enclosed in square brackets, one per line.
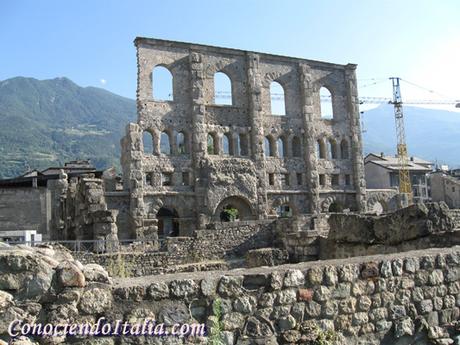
[206, 157]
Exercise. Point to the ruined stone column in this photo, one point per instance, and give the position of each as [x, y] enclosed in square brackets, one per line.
[356, 139]
[257, 131]
[199, 132]
[132, 150]
[306, 91]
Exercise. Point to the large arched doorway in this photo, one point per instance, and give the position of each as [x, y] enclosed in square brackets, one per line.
[168, 222]
[232, 209]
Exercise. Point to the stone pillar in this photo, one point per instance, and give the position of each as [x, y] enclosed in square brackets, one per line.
[306, 101]
[199, 130]
[356, 139]
[257, 131]
[135, 181]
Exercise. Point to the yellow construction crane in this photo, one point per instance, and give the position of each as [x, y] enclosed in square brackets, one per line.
[405, 187]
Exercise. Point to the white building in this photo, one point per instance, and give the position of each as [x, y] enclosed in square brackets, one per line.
[382, 172]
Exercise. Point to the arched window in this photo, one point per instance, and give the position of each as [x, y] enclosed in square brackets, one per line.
[212, 144]
[278, 106]
[147, 141]
[222, 89]
[237, 145]
[181, 143]
[344, 149]
[243, 144]
[281, 147]
[320, 149]
[326, 109]
[332, 149]
[165, 144]
[296, 147]
[269, 149]
[162, 84]
[227, 144]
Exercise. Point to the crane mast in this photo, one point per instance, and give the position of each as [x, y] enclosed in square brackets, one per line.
[403, 159]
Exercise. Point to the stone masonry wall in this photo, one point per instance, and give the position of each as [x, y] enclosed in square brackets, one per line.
[410, 298]
[225, 241]
[398, 299]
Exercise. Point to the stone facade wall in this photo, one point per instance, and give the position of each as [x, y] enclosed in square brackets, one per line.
[200, 183]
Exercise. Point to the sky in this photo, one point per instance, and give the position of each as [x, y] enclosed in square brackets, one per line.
[91, 42]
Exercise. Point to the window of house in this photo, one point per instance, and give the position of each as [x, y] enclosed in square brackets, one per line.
[166, 179]
[394, 179]
[271, 179]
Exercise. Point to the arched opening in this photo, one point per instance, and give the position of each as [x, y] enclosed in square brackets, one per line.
[233, 208]
[222, 89]
[181, 143]
[284, 211]
[320, 149]
[277, 99]
[269, 147]
[147, 141]
[326, 109]
[162, 84]
[281, 147]
[227, 144]
[243, 144]
[344, 154]
[168, 222]
[212, 148]
[296, 147]
[332, 149]
[165, 144]
[335, 207]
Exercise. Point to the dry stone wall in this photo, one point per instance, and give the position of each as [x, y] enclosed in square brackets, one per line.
[410, 298]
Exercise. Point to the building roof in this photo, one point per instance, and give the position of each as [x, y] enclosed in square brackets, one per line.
[392, 162]
[40, 178]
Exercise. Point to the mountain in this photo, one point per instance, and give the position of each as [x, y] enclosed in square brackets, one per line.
[431, 134]
[48, 122]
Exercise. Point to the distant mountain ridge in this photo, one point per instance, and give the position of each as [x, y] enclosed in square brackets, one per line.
[48, 122]
[431, 134]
